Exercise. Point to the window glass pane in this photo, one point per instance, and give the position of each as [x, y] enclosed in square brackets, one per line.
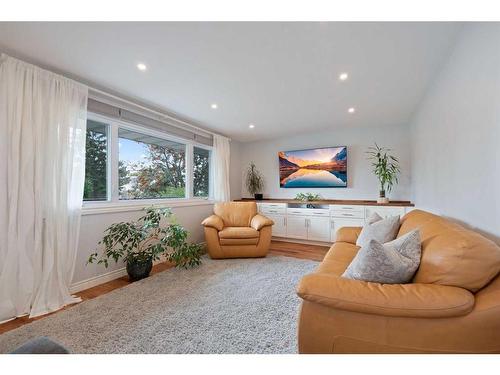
[150, 167]
[201, 172]
[96, 162]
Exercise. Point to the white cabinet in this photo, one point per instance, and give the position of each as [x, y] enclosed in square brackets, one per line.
[296, 226]
[384, 211]
[279, 227]
[336, 223]
[320, 223]
[318, 228]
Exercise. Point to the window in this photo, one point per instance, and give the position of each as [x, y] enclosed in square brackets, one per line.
[96, 162]
[201, 172]
[150, 167]
[127, 162]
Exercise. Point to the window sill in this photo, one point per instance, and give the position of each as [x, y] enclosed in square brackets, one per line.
[92, 208]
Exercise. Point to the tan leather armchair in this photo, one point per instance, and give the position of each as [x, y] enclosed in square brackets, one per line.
[236, 230]
[452, 305]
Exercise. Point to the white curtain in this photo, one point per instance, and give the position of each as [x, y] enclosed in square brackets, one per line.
[42, 173]
[221, 153]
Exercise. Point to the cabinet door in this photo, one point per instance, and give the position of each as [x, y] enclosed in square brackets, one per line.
[279, 227]
[337, 223]
[296, 227]
[318, 229]
[384, 211]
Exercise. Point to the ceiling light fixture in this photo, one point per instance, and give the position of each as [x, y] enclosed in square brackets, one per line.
[214, 106]
[251, 126]
[343, 76]
[142, 67]
[351, 110]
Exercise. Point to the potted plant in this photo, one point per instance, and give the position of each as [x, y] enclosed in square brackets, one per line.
[386, 168]
[141, 242]
[307, 197]
[254, 182]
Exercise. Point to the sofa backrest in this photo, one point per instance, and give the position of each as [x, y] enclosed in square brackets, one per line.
[236, 214]
[451, 254]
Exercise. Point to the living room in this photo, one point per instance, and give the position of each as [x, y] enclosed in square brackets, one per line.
[269, 187]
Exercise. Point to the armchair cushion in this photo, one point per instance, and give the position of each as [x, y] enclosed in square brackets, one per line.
[259, 221]
[399, 300]
[213, 221]
[238, 232]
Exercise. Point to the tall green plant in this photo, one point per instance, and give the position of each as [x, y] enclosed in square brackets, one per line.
[385, 167]
[254, 180]
[146, 240]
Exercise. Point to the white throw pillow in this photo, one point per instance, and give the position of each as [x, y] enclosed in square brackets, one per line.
[394, 262]
[382, 231]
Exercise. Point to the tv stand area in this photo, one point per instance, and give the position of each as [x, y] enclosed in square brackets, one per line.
[318, 221]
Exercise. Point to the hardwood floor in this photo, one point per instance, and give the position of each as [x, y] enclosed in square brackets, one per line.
[296, 250]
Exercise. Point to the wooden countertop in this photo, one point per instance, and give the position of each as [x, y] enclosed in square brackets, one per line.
[332, 201]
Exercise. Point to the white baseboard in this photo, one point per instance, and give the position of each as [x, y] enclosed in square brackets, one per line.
[97, 280]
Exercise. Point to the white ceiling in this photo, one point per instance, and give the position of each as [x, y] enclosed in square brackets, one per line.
[282, 77]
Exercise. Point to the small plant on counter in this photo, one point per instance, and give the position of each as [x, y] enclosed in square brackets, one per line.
[385, 167]
[141, 242]
[307, 197]
[254, 181]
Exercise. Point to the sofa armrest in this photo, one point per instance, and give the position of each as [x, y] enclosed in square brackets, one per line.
[213, 221]
[401, 300]
[348, 234]
[260, 221]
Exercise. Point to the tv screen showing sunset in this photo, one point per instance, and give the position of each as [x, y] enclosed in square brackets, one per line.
[318, 167]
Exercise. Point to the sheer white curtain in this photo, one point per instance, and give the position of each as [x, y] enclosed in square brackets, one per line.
[42, 173]
[221, 153]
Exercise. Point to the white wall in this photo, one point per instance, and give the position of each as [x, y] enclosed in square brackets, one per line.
[456, 134]
[362, 184]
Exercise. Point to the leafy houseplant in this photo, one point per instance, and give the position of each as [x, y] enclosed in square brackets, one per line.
[307, 197]
[141, 242]
[385, 167]
[254, 182]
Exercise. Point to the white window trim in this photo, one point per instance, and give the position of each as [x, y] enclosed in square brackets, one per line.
[114, 204]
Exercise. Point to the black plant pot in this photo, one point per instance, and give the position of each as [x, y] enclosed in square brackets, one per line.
[139, 270]
[258, 197]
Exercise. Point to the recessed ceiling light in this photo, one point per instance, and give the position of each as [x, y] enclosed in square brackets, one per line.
[251, 126]
[214, 106]
[142, 67]
[351, 110]
[343, 76]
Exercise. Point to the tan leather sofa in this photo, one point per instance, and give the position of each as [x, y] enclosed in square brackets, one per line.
[236, 230]
[452, 305]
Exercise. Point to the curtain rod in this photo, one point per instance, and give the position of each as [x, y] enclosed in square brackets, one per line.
[107, 94]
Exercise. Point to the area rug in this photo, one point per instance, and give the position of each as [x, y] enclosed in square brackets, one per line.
[223, 306]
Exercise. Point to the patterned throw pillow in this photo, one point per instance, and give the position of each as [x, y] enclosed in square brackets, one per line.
[382, 231]
[394, 262]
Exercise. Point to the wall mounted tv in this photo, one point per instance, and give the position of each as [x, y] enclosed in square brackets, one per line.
[314, 168]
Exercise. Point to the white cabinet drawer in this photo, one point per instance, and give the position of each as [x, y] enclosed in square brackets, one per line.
[272, 210]
[308, 211]
[347, 211]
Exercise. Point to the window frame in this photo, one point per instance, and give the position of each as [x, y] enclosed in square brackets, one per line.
[114, 203]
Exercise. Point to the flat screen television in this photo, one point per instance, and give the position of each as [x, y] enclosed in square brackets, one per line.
[314, 168]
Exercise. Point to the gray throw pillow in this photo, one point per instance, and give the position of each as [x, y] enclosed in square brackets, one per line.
[382, 231]
[374, 217]
[394, 262]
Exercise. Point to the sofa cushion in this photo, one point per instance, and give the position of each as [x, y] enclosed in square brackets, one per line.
[382, 231]
[394, 262]
[451, 254]
[236, 214]
[238, 232]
